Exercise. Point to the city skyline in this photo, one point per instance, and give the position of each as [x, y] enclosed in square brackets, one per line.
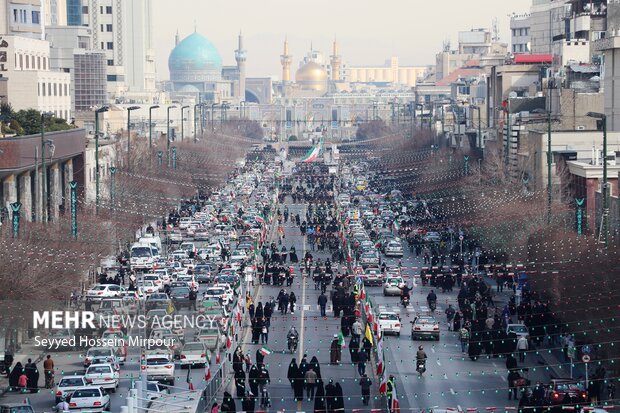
[358, 45]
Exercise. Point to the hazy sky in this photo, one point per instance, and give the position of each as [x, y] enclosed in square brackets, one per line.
[368, 32]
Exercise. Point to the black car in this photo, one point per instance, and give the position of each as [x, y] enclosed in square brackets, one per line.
[202, 273]
[180, 297]
[157, 300]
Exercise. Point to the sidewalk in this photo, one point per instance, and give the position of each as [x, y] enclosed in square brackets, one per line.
[28, 350]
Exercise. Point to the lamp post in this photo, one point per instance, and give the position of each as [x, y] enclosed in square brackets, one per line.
[43, 167]
[151, 125]
[196, 120]
[168, 134]
[213, 106]
[474, 107]
[97, 112]
[604, 218]
[129, 109]
[183, 121]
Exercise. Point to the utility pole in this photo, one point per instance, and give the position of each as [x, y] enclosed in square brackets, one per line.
[605, 188]
[97, 112]
[549, 160]
[151, 126]
[183, 122]
[168, 135]
[129, 109]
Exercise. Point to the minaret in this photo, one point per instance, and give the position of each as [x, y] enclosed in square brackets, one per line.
[286, 61]
[335, 62]
[176, 38]
[240, 57]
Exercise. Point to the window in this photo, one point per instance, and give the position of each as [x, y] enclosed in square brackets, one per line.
[39, 62]
[110, 62]
[108, 10]
[84, 9]
[101, 10]
[49, 89]
[35, 17]
[14, 15]
[21, 61]
[66, 92]
[102, 45]
[110, 45]
[514, 48]
[108, 27]
[43, 88]
[27, 62]
[55, 89]
[102, 27]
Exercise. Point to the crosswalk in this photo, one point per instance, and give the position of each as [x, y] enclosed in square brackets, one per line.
[422, 309]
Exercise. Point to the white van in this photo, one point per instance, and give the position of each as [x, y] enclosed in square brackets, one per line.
[154, 240]
[141, 256]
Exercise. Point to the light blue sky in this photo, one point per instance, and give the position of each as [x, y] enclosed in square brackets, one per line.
[414, 30]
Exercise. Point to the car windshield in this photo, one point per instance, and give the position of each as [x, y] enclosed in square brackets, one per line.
[98, 370]
[425, 321]
[71, 382]
[99, 287]
[141, 252]
[100, 353]
[388, 317]
[519, 329]
[94, 392]
[215, 292]
[193, 347]
[179, 291]
[561, 387]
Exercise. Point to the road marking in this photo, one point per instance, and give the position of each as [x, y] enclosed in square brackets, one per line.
[433, 349]
[452, 391]
[458, 406]
[303, 311]
[438, 362]
[503, 378]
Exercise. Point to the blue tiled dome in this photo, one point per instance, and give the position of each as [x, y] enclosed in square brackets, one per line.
[195, 53]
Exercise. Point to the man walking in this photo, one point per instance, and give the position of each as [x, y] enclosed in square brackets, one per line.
[310, 378]
[522, 347]
[322, 301]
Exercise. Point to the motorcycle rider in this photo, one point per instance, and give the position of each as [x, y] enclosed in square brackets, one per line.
[421, 360]
[62, 406]
[292, 336]
[431, 299]
[404, 292]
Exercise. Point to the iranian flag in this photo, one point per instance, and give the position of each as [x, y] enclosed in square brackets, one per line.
[207, 371]
[395, 403]
[341, 340]
[380, 363]
[265, 351]
[383, 385]
[314, 152]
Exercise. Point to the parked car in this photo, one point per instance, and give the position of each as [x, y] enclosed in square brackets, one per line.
[100, 291]
[157, 300]
[180, 297]
[424, 327]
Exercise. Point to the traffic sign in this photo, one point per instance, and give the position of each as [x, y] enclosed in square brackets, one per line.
[461, 237]
[586, 349]
[585, 358]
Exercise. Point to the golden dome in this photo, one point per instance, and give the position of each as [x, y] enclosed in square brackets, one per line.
[312, 77]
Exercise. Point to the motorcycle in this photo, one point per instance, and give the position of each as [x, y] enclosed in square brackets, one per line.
[432, 305]
[420, 367]
[404, 300]
[292, 343]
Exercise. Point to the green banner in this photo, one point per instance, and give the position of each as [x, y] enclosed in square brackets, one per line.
[15, 207]
[73, 186]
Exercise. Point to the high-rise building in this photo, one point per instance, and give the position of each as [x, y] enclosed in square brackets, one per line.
[55, 12]
[240, 57]
[139, 59]
[21, 18]
[72, 53]
[336, 63]
[74, 12]
[520, 33]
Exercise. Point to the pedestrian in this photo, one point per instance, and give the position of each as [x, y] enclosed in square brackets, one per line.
[464, 338]
[248, 362]
[365, 384]
[254, 377]
[263, 381]
[390, 389]
[33, 376]
[228, 403]
[513, 377]
[248, 404]
[293, 371]
[240, 383]
[314, 363]
[361, 363]
[15, 374]
[215, 407]
[303, 365]
[450, 312]
[292, 300]
[322, 302]
[335, 351]
[456, 325]
[22, 381]
[339, 399]
[264, 333]
[330, 397]
[251, 310]
[310, 379]
[511, 362]
[356, 329]
[48, 370]
[298, 386]
[522, 347]
[320, 402]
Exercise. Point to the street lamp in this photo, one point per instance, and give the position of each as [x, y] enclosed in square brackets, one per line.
[129, 109]
[43, 167]
[604, 218]
[168, 134]
[213, 105]
[97, 112]
[549, 161]
[196, 106]
[183, 121]
[475, 107]
[151, 125]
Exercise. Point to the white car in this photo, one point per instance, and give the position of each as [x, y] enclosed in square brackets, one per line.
[392, 285]
[229, 292]
[217, 292]
[389, 322]
[520, 330]
[394, 249]
[179, 255]
[147, 287]
[89, 399]
[103, 375]
[157, 280]
[98, 352]
[155, 390]
[67, 384]
[423, 327]
[188, 247]
[99, 291]
[194, 354]
[158, 367]
[373, 276]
